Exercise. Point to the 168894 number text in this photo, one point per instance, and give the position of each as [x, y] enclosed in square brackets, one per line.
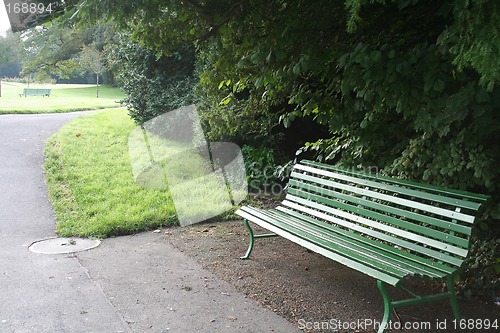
[28, 8]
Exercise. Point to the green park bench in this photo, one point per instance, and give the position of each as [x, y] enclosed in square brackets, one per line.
[392, 230]
[35, 92]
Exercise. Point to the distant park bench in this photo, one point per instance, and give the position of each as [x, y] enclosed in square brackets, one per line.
[35, 92]
[390, 229]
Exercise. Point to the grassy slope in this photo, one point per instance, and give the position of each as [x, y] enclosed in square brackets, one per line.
[63, 98]
[91, 183]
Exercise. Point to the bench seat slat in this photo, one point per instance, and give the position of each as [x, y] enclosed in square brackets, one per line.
[389, 279]
[377, 234]
[375, 225]
[384, 256]
[381, 196]
[397, 253]
[341, 245]
[406, 225]
[406, 214]
[346, 246]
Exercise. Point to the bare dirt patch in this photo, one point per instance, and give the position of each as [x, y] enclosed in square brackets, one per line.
[309, 290]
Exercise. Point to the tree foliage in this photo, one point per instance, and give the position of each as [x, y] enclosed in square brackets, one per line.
[56, 49]
[53, 50]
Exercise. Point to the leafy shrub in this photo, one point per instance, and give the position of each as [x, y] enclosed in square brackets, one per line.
[154, 83]
[260, 168]
[482, 269]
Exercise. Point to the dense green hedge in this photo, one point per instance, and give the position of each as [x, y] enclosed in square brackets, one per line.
[154, 83]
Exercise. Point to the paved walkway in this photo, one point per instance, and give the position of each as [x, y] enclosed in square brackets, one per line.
[127, 284]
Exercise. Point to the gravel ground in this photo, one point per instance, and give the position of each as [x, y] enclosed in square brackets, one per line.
[309, 290]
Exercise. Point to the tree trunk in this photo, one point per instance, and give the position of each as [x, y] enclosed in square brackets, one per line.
[97, 85]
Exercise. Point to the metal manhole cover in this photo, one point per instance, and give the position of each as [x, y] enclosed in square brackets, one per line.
[63, 245]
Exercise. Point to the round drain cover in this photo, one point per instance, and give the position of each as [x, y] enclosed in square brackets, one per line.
[63, 245]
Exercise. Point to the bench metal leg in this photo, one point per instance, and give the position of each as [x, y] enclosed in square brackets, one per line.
[453, 298]
[252, 239]
[387, 306]
[390, 305]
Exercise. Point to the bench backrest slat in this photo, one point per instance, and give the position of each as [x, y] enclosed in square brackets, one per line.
[425, 187]
[425, 220]
[394, 211]
[378, 195]
[452, 201]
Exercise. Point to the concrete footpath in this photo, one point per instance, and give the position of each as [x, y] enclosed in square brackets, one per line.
[127, 284]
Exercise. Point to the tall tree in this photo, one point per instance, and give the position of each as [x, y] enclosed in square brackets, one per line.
[9, 53]
[94, 61]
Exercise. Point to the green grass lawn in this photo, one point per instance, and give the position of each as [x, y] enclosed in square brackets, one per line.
[63, 98]
[91, 183]
[199, 193]
[92, 186]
